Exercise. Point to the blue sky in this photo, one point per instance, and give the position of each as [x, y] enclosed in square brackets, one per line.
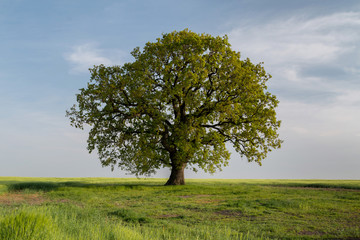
[311, 48]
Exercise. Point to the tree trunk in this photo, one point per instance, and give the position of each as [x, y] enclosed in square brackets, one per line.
[177, 175]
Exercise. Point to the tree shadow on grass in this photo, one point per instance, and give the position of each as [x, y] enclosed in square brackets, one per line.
[34, 186]
[49, 186]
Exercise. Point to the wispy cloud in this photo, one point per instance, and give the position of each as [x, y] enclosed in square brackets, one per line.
[298, 39]
[85, 56]
[293, 48]
[314, 63]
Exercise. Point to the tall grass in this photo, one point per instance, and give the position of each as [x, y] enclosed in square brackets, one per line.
[26, 225]
[29, 223]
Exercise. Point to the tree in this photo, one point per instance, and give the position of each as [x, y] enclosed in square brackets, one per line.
[183, 98]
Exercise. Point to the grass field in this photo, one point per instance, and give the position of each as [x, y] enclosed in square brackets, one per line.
[104, 208]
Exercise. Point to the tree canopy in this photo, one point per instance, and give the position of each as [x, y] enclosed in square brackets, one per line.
[177, 105]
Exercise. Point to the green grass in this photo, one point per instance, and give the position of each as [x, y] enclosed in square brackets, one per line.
[109, 208]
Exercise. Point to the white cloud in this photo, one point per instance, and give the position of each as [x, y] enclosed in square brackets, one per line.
[290, 46]
[292, 49]
[299, 40]
[87, 55]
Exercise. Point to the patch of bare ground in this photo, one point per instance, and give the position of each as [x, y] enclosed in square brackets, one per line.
[235, 214]
[231, 213]
[18, 198]
[207, 201]
[195, 196]
[310, 233]
[31, 199]
[63, 201]
[169, 216]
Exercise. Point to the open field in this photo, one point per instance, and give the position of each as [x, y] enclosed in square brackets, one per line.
[109, 208]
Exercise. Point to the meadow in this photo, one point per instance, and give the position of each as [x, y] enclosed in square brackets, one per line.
[110, 208]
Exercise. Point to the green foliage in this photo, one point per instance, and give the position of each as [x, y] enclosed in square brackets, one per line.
[176, 105]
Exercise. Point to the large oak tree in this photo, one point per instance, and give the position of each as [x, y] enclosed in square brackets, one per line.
[177, 105]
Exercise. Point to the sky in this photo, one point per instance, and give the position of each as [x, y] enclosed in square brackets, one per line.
[310, 47]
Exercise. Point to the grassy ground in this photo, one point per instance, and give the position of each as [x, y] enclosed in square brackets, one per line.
[104, 208]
